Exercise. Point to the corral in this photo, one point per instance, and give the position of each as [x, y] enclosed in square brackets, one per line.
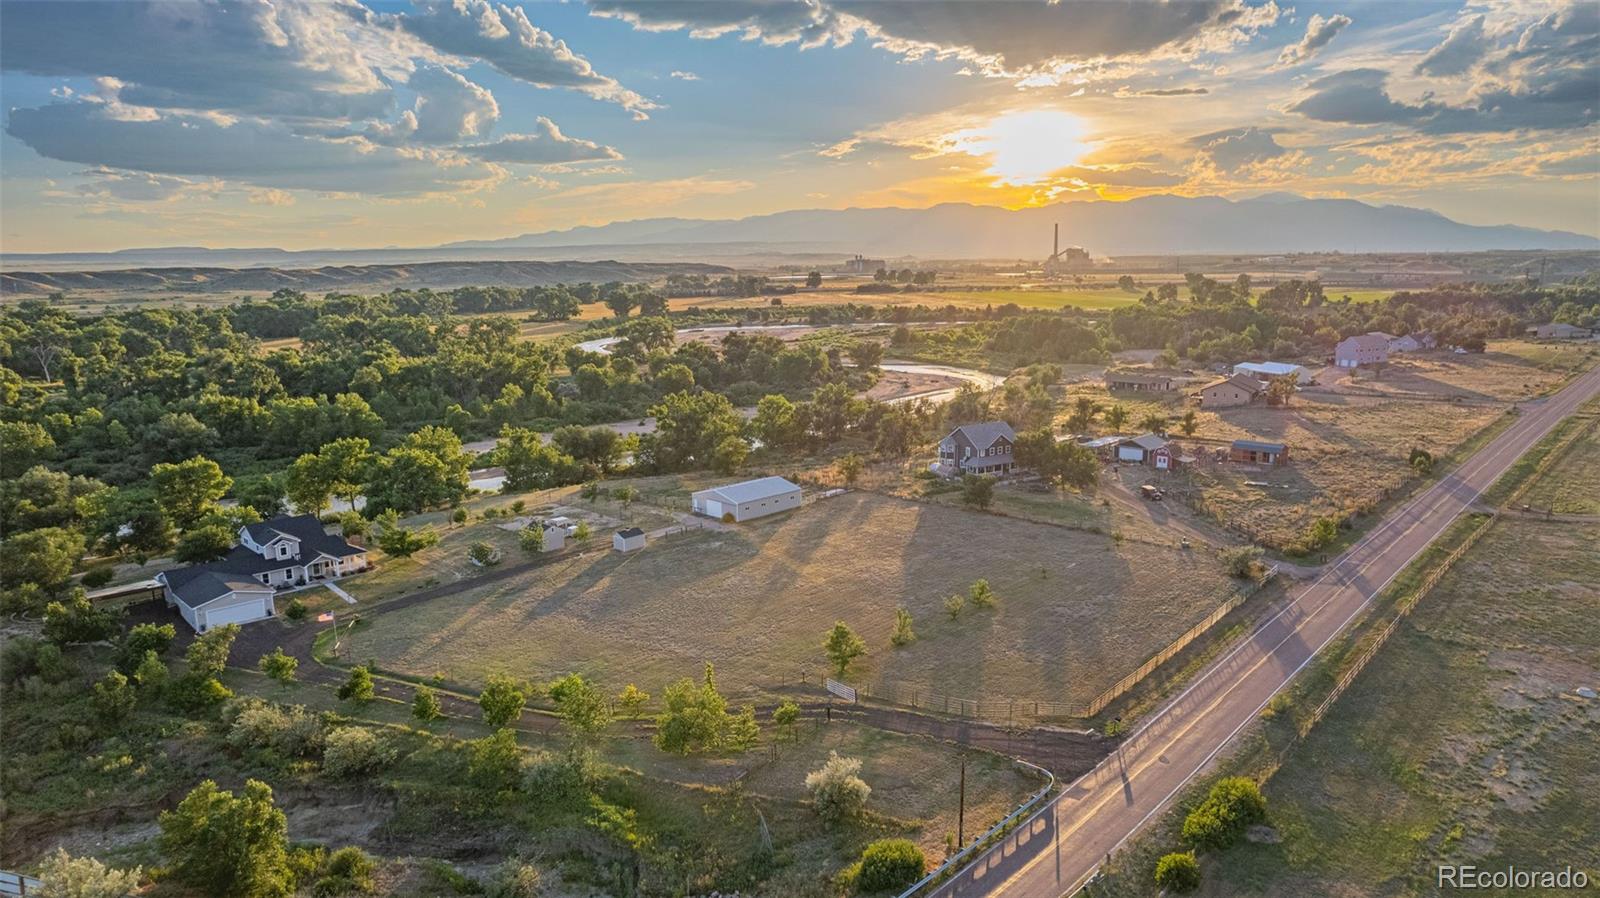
[1076, 610]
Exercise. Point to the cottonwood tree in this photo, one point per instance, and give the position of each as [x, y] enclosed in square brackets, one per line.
[227, 845]
[189, 490]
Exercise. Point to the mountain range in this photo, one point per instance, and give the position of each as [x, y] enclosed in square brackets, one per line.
[1152, 225]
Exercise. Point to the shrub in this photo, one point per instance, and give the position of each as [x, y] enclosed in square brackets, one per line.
[981, 595]
[514, 879]
[495, 760]
[292, 731]
[837, 790]
[1241, 561]
[903, 633]
[96, 577]
[65, 876]
[631, 700]
[1234, 804]
[742, 731]
[113, 697]
[561, 779]
[222, 844]
[459, 516]
[890, 865]
[425, 705]
[354, 751]
[954, 605]
[483, 554]
[279, 666]
[151, 674]
[501, 700]
[1178, 872]
[531, 539]
[347, 870]
[297, 610]
[359, 686]
[143, 638]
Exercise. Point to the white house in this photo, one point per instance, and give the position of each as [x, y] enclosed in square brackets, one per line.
[239, 587]
[629, 540]
[1270, 370]
[1362, 349]
[748, 500]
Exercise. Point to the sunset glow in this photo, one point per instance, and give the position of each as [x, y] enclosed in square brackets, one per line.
[1025, 147]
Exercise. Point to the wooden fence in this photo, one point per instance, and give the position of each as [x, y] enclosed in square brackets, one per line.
[19, 885]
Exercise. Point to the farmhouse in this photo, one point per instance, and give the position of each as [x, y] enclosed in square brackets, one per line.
[1269, 370]
[629, 540]
[1254, 452]
[1146, 449]
[748, 500]
[280, 552]
[1561, 331]
[1236, 390]
[1137, 382]
[1411, 343]
[977, 449]
[1362, 349]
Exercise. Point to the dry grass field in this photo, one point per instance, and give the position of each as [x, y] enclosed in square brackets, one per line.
[1510, 371]
[1573, 484]
[1463, 742]
[1076, 610]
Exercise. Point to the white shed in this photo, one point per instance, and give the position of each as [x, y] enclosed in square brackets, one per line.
[629, 540]
[748, 500]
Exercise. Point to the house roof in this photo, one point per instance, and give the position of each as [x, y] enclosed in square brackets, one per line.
[1242, 381]
[305, 529]
[204, 585]
[1361, 342]
[1259, 446]
[1136, 377]
[751, 490]
[1102, 442]
[984, 435]
[630, 533]
[1276, 369]
[1148, 441]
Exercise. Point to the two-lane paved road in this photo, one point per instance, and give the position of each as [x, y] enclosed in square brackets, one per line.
[1062, 845]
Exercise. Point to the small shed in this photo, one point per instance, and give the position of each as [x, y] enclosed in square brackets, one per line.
[629, 540]
[1141, 449]
[1255, 452]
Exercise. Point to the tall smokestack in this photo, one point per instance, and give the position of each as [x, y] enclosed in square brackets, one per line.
[1056, 249]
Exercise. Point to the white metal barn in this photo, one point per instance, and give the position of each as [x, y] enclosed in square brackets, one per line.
[748, 500]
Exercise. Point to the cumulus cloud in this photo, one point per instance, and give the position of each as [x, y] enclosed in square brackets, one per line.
[1228, 152]
[685, 76]
[502, 36]
[546, 145]
[1319, 33]
[1030, 41]
[138, 187]
[250, 151]
[1465, 46]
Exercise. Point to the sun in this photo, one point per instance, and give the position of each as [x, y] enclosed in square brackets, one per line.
[1025, 147]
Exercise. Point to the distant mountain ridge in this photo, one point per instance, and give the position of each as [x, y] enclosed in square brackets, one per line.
[1273, 222]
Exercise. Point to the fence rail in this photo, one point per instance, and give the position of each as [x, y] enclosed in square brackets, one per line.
[955, 861]
[16, 884]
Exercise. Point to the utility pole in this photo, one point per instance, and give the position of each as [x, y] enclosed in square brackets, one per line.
[961, 813]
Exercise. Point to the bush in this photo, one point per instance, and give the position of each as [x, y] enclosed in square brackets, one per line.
[279, 666]
[1178, 872]
[1241, 561]
[114, 697]
[65, 876]
[954, 605]
[297, 610]
[359, 686]
[483, 554]
[425, 705]
[836, 789]
[293, 732]
[143, 638]
[348, 870]
[354, 751]
[903, 634]
[890, 865]
[96, 577]
[514, 879]
[981, 595]
[1234, 804]
[561, 779]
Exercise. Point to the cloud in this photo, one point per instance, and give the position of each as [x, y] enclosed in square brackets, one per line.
[1319, 33]
[1465, 46]
[1228, 152]
[647, 194]
[502, 36]
[138, 187]
[546, 146]
[249, 151]
[1541, 97]
[686, 76]
[1355, 97]
[271, 197]
[450, 108]
[1174, 92]
[1034, 41]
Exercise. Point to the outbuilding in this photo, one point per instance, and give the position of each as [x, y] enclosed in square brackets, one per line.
[1255, 452]
[1270, 370]
[629, 540]
[1232, 391]
[748, 500]
[1137, 382]
[1149, 448]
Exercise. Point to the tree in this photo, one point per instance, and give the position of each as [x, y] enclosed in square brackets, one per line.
[114, 697]
[694, 717]
[850, 467]
[867, 354]
[1234, 804]
[1280, 390]
[1116, 416]
[776, 424]
[582, 533]
[1084, 410]
[495, 760]
[307, 484]
[23, 445]
[279, 666]
[580, 704]
[531, 464]
[903, 633]
[977, 490]
[151, 674]
[236, 847]
[785, 716]
[837, 790]
[954, 604]
[631, 700]
[204, 543]
[44, 557]
[689, 428]
[814, 279]
[1189, 424]
[1178, 872]
[843, 646]
[531, 538]
[345, 464]
[358, 687]
[1155, 422]
[1241, 561]
[891, 865]
[729, 454]
[76, 620]
[501, 700]
[65, 876]
[620, 302]
[264, 494]
[189, 490]
[981, 595]
[402, 542]
[425, 705]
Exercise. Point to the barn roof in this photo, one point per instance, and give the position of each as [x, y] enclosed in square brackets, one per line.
[751, 490]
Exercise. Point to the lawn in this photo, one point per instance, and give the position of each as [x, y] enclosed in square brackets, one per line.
[1461, 743]
[1076, 610]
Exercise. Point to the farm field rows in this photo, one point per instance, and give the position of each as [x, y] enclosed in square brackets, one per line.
[1484, 756]
[1076, 610]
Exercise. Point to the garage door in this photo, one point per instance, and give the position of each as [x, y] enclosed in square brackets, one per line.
[713, 508]
[241, 613]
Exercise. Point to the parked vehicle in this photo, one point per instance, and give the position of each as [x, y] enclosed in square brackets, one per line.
[1149, 493]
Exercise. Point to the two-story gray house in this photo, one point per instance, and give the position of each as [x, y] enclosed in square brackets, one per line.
[987, 448]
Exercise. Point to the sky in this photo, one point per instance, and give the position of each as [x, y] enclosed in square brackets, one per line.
[338, 124]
